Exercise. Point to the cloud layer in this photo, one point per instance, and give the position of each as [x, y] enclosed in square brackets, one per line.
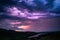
[30, 15]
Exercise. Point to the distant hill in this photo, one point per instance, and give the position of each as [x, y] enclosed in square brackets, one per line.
[13, 35]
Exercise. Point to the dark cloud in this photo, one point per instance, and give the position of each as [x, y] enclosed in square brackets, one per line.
[35, 5]
[43, 5]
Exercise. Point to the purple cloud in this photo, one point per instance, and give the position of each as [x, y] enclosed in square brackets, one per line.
[14, 11]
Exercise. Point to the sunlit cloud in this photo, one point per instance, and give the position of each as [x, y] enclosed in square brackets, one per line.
[25, 27]
[13, 21]
[17, 25]
[14, 11]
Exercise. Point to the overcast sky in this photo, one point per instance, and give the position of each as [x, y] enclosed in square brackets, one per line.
[30, 15]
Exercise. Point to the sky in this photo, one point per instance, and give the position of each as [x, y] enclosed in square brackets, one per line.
[30, 15]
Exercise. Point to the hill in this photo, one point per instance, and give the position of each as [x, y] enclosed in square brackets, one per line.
[13, 35]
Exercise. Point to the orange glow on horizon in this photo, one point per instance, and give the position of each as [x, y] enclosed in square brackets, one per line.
[24, 26]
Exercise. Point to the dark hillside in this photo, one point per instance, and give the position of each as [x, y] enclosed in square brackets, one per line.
[13, 35]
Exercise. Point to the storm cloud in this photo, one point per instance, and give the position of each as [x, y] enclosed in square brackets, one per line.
[30, 15]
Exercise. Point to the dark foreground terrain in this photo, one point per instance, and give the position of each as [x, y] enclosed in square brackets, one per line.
[13, 35]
